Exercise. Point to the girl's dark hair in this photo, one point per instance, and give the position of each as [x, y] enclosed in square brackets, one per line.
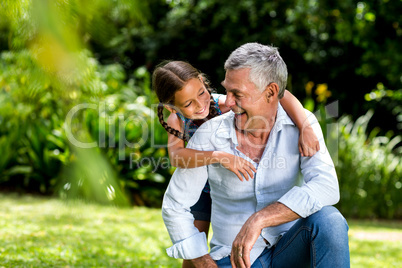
[170, 77]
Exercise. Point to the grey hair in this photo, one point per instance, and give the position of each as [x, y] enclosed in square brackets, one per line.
[265, 63]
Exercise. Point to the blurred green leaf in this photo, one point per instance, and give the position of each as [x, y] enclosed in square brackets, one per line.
[19, 170]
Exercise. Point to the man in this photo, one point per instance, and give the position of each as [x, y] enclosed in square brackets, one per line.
[276, 219]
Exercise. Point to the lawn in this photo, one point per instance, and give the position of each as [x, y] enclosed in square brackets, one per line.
[43, 232]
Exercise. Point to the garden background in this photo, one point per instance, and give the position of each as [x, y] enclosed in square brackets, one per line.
[77, 111]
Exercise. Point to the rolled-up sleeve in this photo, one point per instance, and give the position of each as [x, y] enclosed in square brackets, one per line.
[320, 187]
[182, 193]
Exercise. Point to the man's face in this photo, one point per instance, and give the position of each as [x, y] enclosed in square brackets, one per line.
[245, 100]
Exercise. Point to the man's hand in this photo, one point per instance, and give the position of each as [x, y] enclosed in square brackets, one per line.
[244, 242]
[204, 261]
[272, 215]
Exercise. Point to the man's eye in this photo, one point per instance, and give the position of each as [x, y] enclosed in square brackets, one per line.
[202, 92]
[187, 105]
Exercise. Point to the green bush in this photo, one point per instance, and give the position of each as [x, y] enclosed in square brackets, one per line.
[49, 74]
[369, 171]
[45, 122]
[30, 119]
[125, 128]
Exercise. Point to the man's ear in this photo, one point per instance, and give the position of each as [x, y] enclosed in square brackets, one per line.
[271, 90]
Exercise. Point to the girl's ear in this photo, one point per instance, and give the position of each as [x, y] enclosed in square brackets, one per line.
[170, 108]
[202, 80]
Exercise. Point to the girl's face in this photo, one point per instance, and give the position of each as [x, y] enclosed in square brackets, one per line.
[193, 100]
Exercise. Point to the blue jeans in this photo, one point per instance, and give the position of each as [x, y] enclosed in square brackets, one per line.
[320, 240]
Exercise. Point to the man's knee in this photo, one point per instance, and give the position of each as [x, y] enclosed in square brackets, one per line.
[330, 225]
[331, 215]
[330, 238]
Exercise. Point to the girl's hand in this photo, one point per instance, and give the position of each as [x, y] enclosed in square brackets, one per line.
[239, 166]
[308, 142]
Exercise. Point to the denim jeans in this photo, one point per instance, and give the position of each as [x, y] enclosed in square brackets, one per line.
[320, 240]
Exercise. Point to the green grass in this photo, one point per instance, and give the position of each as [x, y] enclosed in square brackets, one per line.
[43, 232]
[39, 232]
[375, 243]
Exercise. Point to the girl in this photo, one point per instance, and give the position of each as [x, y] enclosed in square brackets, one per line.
[186, 94]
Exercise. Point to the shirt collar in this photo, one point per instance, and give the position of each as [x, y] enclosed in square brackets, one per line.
[227, 129]
[282, 118]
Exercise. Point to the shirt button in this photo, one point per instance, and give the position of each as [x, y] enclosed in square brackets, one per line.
[258, 192]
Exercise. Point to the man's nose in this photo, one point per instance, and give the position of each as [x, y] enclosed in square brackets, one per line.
[229, 100]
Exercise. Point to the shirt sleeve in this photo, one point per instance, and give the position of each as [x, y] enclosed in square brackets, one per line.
[183, 192]
[320, 187]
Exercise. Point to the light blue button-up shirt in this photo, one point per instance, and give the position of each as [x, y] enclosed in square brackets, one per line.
[303, 184]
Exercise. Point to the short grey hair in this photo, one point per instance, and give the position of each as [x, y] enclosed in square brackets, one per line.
[265, 63]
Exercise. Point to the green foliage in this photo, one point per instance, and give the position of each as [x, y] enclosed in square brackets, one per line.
[89, 176]
[58, 103]
[45, 127]
[72, 75]
[368, 164]
[388, 99]
[349, 45]
[73, 23]
[29, 124]
[127, 131]
[369, 171]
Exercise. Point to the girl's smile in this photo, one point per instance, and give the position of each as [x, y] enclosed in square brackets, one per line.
[202, 111]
